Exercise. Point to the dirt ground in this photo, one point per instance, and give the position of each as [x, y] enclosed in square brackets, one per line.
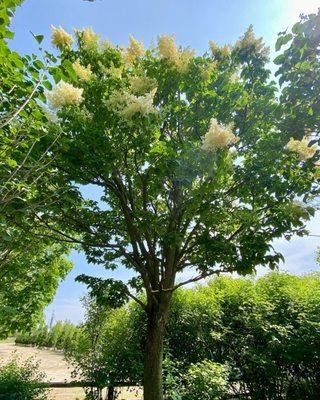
[56, 369]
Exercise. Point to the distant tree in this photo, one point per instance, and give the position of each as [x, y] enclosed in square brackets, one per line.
[200, 161]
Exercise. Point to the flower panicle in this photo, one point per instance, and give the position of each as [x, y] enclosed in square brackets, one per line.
[64, 94]
[218, 136]
[60, 38]
[302, 148]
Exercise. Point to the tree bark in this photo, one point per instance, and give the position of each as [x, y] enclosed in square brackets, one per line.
[152, 385]
[111, 393]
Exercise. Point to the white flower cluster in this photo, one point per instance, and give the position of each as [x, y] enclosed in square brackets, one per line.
[115, 72]
[64, 94]
[168, 50]
[142, 84]
[60, 38]
[83, 73]
[223, 51]
[302, 148]
[218, 136]
[127, 104]
[249, 42]
[133, 51]
[87, 38]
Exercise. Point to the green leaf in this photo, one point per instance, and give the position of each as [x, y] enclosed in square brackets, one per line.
[47, 85]
[282, 40]
[279, 59]
[39, 38]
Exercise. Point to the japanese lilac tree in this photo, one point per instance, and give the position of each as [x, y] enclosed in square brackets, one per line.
[194, 158]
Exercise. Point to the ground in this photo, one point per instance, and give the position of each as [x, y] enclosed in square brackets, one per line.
[56, 369]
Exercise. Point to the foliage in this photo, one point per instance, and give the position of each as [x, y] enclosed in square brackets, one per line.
[62, 336]
[28, 284]
[22, 381]
[206, 380]
[266, 333]
[31, 265]
[299, 74]
[109, 350]
[22, 118]
[168, 203]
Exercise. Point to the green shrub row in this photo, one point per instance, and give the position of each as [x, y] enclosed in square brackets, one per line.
[240, 337]
[61, 336]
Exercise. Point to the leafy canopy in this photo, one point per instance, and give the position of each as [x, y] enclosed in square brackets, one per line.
[31, 266]
[192, 155]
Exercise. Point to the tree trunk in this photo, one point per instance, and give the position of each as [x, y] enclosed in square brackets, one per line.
[152, 385]
[111, 393]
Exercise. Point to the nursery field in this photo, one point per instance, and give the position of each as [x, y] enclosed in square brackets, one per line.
[56, 369]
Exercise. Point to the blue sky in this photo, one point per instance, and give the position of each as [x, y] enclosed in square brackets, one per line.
[194, 23]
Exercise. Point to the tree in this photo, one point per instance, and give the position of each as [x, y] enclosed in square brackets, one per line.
[28, 285]
[31, 266]
[196, 171]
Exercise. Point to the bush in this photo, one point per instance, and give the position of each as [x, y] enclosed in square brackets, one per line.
[22, 381]
[206, 380]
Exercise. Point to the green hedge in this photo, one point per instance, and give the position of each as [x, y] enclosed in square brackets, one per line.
[265, 332]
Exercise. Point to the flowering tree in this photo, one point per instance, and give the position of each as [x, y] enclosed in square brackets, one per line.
[197, 170]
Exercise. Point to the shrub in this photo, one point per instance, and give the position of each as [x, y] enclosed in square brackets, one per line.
[22, 380]
[206, 380]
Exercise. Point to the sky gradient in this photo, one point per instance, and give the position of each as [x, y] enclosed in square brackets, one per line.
[194, 23]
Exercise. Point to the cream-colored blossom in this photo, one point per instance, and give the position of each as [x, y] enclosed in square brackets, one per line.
[142, 84]
[168, 50]
[64, 94]
[302, 148]
[317, 170]
[249, 42]
[225, 51]
[206, 70]
[60, 38]
[83, 73]
[115, 72]
[127, 104]
[184, 59]
[133, 51]
[218, 136]
[87, 38]
[213, 47]
[106, 44]
[112, 71]
[219, 52]
[234, 78]
[90, 38]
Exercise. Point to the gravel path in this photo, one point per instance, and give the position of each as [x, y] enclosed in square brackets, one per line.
[56, 369]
